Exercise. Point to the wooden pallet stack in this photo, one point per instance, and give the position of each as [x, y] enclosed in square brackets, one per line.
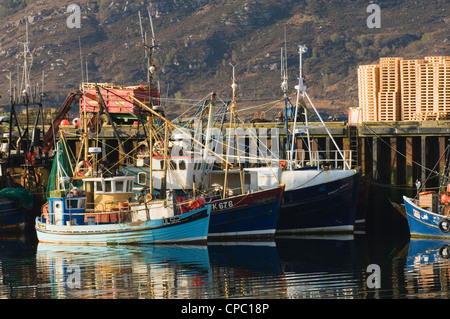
[441, 86]
[368, 82]
[433, 86]
[389, 95]
[408, 89]
[398, 89]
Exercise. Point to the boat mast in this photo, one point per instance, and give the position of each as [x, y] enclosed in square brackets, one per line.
[208, 136]
[300, 91]
[232, 126]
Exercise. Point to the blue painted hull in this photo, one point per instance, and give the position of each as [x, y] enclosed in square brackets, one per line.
[189, 227]
[423, 223]
[250, 215]
[326, 207]
[12, 217]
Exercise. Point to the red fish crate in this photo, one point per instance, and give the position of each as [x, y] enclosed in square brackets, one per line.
[117, 98]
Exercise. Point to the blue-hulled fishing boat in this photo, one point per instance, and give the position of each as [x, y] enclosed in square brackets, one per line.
[68, 221]
[428, 214]
[427, 218]
[86, 206]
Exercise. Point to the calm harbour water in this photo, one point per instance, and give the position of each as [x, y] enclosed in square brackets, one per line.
[287, 268]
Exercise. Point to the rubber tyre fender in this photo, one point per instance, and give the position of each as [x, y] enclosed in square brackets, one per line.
[444, 225]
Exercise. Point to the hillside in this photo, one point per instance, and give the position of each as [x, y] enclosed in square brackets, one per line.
[198, 39]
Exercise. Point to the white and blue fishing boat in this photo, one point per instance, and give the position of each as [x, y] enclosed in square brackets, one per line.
[99, 210]
[117, 221]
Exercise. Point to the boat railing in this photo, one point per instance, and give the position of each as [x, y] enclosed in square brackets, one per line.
[321, 159]
[108, 212]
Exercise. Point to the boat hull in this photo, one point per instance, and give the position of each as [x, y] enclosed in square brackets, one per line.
[252, 215]
[327, 207]
[423, 223]
[12, 217]
[190, 227]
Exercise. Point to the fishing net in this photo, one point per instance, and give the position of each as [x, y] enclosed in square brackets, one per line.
[20, 195]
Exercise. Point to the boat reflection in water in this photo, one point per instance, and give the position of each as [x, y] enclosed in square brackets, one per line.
[290, 267]
[427, 268]
[284, 268]
[104, 272]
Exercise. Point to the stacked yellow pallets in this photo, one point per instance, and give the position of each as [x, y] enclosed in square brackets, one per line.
[389, 95]
[368, 81]
[398, 89]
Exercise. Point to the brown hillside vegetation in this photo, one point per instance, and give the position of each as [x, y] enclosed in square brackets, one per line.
[198, 39]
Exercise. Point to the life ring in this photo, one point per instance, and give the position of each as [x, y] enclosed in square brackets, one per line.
[444, 251]
[84, 168]
[282, 164]
[157, 148]
[444, 225]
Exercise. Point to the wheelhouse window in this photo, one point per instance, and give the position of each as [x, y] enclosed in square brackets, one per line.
[72, 203]
[119, 186]
[99, 187]
[142, 178]
[108, 187]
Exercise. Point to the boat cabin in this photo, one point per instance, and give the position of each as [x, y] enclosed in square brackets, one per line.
[68, 210]
[106, 193]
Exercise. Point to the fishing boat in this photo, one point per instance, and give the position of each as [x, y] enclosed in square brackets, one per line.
[427, 216]
[87, 206]
[428, 213]
[15, 206]
[321, 188]
[235, 211]
[238, 208]
[69, 220]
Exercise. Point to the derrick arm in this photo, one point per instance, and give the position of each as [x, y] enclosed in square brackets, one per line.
[65, 108]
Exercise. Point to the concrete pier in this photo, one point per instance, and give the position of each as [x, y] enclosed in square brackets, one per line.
[392, 153]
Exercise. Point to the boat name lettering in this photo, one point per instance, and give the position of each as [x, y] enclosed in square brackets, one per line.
[416, 214]
[222, 205]
[340, 188]
[171, 220]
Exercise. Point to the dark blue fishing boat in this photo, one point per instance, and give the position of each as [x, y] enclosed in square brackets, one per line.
[253, 214]
[15, 204]
[321, 187]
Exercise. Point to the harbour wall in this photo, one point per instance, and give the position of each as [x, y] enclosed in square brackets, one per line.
[391, 153]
